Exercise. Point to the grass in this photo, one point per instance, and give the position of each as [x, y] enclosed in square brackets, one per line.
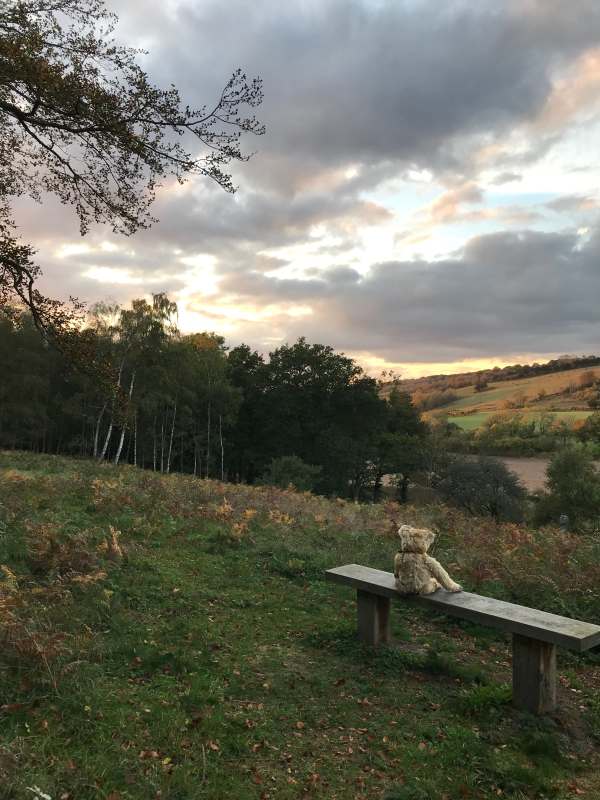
[166, 637]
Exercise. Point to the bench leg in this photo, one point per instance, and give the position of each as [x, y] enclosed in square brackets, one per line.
[373, 618]
[534, 675]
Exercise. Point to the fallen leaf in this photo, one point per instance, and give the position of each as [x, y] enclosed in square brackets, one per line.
[10, 708]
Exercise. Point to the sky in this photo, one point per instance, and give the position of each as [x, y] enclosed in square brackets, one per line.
[425, 199]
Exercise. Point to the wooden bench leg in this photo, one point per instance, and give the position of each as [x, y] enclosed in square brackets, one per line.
[534, 675]
[373, 618]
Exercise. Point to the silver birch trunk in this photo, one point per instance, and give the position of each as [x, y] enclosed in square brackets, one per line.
[208, 439]
[171, 438]
[102, 455]
[162, 444]
[124, 426]
[222, 452]
[106, 439]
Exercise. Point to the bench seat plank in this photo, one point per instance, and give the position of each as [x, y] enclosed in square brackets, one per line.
[510, 617]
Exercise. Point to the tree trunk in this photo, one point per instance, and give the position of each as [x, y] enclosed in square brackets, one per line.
[124, 426]
[171, 438]
[377, 486]
[135, 440]
[154, 444]
[402, 492]
[162, 444]
[106, 440]
[221, 441]
[102, 455]
[208, 439]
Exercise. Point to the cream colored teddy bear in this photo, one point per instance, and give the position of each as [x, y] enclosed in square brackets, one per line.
[414, 570]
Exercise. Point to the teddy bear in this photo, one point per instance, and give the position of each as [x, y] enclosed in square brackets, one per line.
[414, 570]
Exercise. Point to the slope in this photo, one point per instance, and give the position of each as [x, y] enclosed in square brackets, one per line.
[166, 637]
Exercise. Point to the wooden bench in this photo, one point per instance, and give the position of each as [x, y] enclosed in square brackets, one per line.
[535, 634]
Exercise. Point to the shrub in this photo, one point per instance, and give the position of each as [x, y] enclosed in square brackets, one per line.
[436, 399]
[587, 379]
[573, 488]
[484, 486]
[590, 430]
[291, 470]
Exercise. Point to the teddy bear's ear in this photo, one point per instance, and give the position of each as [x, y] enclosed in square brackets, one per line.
[405, 532]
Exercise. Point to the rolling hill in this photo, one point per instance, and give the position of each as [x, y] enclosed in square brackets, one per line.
[564, 393]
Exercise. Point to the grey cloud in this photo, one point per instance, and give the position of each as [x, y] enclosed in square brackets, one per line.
[346, 80]
[506, 293]
[573, 202]
[506, 177]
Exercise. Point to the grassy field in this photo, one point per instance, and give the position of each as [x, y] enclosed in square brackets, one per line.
[172, 638]
[498, 394]
[473, 421]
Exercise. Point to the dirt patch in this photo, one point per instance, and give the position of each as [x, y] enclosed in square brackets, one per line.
[531, 471]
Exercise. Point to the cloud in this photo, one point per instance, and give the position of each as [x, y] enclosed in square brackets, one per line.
[366, 103]
[573, 202]
[504, 293]
[506, 177]
[447, 207]
[366, 83]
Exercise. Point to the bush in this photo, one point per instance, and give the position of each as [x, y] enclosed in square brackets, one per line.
[291, 471]
[484, 486]
[573, 488]
[590, 430]
[436, 399]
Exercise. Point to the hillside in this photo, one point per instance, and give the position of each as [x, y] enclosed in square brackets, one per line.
[558, 393]
[168, 637]
[512, 372]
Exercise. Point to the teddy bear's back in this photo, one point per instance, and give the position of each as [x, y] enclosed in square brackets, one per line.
[412, 571]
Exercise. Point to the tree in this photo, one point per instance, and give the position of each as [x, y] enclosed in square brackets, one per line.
[483, 486]
[401, 443]
[291, 471]
[573, 488]
[587, 378]
[80, 119]
[311, 402]
[590, 430]
[249, 374]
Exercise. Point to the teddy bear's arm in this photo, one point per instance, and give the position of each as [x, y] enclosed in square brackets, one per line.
[438, 572]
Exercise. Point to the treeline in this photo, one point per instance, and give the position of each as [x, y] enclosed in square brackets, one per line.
[515, 434]
[150, 396]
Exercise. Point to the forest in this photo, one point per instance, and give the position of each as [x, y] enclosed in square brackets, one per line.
[131, 388]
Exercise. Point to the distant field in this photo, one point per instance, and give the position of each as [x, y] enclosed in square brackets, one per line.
[477, 419]
[494, 399]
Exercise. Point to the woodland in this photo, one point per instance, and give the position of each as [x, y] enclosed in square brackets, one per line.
[155, 398]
